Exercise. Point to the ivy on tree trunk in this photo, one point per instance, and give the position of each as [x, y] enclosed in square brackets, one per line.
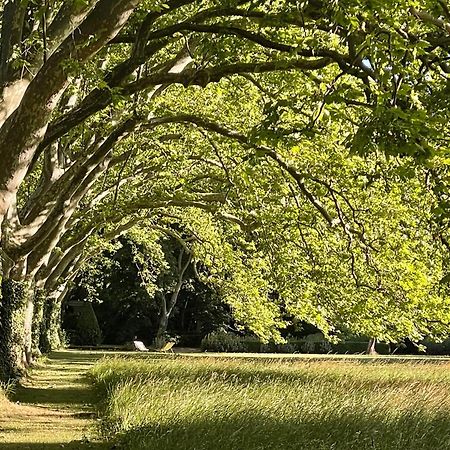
[13, 303]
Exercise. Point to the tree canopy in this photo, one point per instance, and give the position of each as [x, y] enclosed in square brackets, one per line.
[302, 146]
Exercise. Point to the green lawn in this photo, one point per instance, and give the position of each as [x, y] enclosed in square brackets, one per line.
[211, 403]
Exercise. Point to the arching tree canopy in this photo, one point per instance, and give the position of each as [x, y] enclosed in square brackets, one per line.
[303, 144]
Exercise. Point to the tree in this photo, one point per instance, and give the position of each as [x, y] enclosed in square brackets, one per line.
[164, 281]
[123, 283]
[41, 117]
[86, 87]
[39, 112]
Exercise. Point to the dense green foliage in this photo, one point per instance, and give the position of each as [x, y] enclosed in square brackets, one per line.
[125, 286]
[299, 150]
[208, 403]
[80, 324]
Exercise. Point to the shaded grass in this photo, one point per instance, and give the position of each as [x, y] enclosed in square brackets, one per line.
[212, 403]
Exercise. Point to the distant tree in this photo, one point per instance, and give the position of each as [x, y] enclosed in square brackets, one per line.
[128, 304]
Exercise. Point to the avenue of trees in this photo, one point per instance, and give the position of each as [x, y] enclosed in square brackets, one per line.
[297, 150]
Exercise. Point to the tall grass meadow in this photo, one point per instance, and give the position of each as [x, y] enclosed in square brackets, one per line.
[237, 404]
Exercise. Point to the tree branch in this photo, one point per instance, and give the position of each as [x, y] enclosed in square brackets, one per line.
[31, 117]
[291, 170]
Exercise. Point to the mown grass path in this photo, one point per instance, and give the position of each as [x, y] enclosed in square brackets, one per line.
[53, 406]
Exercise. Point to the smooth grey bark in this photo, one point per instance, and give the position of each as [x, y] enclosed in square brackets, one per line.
[168, 305]
[371, 347]
[25, 128]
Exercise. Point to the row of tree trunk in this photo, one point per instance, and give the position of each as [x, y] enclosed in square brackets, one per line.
[35, 261]
[29, 325]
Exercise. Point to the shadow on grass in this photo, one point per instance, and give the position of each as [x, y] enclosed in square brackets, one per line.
[76, 356]
[71, 446]
[254, 431]
[53, 396]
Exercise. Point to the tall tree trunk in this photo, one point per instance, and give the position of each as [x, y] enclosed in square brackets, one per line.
[50, 338]
[16, 306]
[167, 307]
[163, 321]
[371, 350]
[38, 322]
[28, 328]
[25, 128]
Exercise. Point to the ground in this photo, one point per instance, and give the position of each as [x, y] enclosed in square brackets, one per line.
[53, 407]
